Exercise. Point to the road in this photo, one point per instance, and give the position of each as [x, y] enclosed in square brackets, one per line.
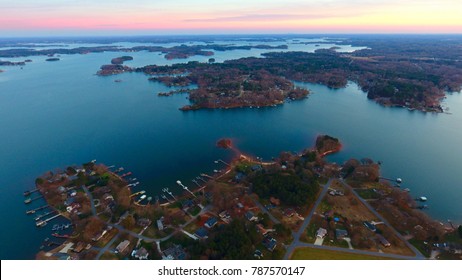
[417, 253]
[132, 233]
[296, 242]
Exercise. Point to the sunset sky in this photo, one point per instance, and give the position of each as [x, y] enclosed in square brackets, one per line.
[145, 17]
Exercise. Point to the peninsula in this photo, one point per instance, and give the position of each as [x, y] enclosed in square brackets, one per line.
[297, 206]
[390, 73]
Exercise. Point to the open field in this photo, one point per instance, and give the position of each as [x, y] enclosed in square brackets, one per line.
[321, 254]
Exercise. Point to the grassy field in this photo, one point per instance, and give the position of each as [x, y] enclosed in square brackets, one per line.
[321, 254]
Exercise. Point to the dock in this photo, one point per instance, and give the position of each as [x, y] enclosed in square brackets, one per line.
[32, 211]
[29, 200]
[43, 223]
[29, 192]
[206, 176]
[44, 215]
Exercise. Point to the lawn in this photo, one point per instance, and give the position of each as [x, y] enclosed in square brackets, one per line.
[322, 254]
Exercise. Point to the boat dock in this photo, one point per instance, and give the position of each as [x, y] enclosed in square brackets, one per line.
[26, 193]
[44, 215]
[32, 211]
[206, 176]
[29, 200]
[43, 223]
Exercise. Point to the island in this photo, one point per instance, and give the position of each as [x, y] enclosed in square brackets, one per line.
[10, 63]
[121, 59]
[297, 206]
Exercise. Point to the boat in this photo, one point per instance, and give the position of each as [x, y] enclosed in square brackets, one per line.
[423, 198]
[57, 235]
[41, 223]
[399, 180]
[30, 212]
[407, 190]
[27, 201]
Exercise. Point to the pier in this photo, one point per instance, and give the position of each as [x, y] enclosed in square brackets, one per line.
[200, 178]
[169, 192]
[206, 176]
[26, 193]
[43, 223]
[222, 161]
[32, 211]
[44, 215]
[185, 188]
[29, 200]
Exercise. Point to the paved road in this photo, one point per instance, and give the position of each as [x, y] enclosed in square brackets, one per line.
[296, 242]
[107, 246]
[132, 233]
[417, 253]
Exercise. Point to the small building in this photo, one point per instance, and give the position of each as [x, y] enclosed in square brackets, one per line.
[341, 233]
[270, 243]
[289, 212]
[239, 176]
[370, 226]
[275, 201]
[211, 222]
[201, 233]
[144, 222]
[141, 254]
[383, 241]
[321, 233]
[249, 215]
[122, 247]
[258, 254]
[175, 252]
[188, 203]
[256, 167]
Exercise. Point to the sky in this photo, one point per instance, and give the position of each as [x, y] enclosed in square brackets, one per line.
[150, 17]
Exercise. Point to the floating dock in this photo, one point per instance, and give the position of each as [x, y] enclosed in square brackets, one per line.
[32, 211]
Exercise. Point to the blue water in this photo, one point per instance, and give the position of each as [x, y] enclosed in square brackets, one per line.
[54, 114]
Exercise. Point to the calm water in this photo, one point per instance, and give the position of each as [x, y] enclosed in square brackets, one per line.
[56, 114]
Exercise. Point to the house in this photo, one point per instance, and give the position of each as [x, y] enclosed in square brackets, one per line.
[270, 243]
[211, 222]
[256, 167]
[251, 216]
[144, 222]
[383, 241]
[370, 226]
[258, 254]
[275, 201]
[175, 252]
[187, 204]
[73, 208]
[79, 247]
[261, 229]
[321, 233]
[141, 254]
[341, 233]
[239, 176]
[289, 212]
[201, 233]
[120, 249]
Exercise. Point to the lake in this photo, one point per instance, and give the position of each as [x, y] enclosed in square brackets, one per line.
[55, 114]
